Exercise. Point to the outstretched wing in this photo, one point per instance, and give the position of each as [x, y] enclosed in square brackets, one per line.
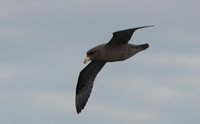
[124, 36]
[85, 83]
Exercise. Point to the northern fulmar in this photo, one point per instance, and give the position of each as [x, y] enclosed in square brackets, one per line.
[117, 49]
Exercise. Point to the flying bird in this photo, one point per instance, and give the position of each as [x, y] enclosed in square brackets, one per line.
[117, 49]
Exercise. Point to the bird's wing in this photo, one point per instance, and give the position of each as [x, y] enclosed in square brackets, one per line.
[124, 36]
[85, 83]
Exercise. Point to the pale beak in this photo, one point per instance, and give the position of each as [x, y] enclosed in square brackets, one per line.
[86, 59]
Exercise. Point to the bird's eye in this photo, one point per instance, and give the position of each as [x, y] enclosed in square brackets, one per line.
[91, 53]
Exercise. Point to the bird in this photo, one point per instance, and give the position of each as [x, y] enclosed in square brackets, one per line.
[117, 49]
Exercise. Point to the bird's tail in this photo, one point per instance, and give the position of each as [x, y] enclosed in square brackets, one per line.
[144, 46]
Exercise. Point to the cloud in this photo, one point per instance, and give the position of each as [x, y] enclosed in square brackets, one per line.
[53, 101]
[6, 74]
[121, 113]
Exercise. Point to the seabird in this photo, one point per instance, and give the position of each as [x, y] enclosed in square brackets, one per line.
[117, 49]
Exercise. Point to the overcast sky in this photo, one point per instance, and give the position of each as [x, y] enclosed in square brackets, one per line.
[43, 44]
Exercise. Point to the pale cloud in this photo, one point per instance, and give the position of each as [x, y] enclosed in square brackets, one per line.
[6, 74]
[164, 94]
[185, 61]
[121, 113]
[54, 101]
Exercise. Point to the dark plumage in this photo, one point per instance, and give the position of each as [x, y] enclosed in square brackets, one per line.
[117, 49]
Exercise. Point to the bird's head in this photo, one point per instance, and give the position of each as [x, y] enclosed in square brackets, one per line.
[95, 53]
[92, 54]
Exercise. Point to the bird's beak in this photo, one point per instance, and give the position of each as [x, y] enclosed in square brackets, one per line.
[86, 59]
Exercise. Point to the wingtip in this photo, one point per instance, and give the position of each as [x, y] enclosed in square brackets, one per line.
[78, 110]
[145, 26]
[151, 26]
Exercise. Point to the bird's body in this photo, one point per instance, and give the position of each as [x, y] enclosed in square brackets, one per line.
[120, 52]
[117, 49]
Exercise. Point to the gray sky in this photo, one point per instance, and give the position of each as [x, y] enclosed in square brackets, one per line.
[43, 44]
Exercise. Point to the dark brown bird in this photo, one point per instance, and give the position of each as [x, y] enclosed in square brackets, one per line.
[117, 49]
